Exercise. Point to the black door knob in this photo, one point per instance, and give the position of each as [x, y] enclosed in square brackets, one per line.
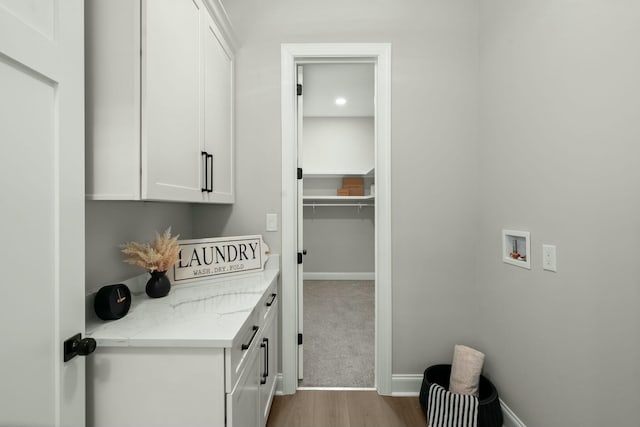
[78, 346]
[304, 252]
[85, 346]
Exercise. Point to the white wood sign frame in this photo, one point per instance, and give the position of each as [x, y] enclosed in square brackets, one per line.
[219, 256]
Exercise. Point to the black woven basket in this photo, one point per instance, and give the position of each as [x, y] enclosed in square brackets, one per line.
[489, 411]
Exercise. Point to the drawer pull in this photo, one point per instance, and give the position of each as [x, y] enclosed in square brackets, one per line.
[266, 363]
[263, 380]
[273, 298]
[247, 345]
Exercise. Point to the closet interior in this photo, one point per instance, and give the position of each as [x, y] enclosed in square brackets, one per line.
[338, 157]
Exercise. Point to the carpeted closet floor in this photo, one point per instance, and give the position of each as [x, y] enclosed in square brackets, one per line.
[338, 333]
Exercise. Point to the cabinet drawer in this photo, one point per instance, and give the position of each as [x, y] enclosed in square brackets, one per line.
[267, 302]
[244, 347]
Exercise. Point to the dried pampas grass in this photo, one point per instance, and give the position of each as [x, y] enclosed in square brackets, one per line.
[160, 255]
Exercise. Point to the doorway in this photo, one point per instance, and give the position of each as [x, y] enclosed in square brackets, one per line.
[292, 272]
[336, 150]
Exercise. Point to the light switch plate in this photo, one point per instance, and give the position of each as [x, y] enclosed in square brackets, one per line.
[549, 261]
[272, 222]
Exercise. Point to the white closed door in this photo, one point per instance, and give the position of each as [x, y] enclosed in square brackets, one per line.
[42, 197]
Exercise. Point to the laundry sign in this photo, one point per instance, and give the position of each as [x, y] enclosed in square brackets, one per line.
[201, 258]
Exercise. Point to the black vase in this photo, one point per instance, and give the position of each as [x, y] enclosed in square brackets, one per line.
[158, 285]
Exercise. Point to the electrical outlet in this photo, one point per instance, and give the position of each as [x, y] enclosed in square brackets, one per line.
[549, 261]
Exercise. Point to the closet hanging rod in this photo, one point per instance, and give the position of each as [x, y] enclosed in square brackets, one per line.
[357, 205]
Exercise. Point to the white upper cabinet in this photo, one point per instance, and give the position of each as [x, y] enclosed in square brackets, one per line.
[159, 77]
[218, 112]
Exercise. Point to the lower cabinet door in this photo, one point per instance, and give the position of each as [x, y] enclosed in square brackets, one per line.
[269, 364]
[243, 402]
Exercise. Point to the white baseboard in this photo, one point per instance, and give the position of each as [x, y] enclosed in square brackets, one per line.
[510, 419]
[339, 276]
[406, 385]
[279, 385]
[402, 385]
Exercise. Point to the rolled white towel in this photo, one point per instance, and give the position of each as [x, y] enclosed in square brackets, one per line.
[465, 370]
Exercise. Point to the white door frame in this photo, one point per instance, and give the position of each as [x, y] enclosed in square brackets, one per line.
[380, 53]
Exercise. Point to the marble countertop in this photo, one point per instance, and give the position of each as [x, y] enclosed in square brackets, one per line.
[208, 313]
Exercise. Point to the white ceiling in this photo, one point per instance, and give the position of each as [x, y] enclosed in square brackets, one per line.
[323, 83]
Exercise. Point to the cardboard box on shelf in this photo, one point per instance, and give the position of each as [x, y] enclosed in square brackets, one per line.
[343, 192]
[355, 185]
[352, 182]
[355, 191]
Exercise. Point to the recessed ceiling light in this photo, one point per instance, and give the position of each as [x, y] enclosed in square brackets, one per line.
[341, 101]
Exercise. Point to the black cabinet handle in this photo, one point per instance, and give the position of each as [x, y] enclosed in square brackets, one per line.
[264, 346]
[210, 187]
[205, 156]
[247, 345]
[266, 363]
[273, 298]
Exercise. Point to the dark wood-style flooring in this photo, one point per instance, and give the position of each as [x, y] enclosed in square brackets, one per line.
[322, 408]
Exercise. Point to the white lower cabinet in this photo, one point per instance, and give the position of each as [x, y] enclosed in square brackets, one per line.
[188, 385]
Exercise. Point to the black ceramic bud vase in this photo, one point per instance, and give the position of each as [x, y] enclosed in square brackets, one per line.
[158, 285]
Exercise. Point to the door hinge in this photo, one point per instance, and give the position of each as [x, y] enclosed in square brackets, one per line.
[299, 89]
[299, 257]
[299, 339]
[299, 173]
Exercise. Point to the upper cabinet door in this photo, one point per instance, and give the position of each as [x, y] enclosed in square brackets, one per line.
[218, 112]
[112, 99]
[171, 100]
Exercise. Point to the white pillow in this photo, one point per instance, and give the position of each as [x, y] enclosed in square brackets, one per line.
[465, 370]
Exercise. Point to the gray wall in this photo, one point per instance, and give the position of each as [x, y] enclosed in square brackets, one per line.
[338, 145]
[339, 240]
[434, 149]
[559, 157]
[109, 224]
